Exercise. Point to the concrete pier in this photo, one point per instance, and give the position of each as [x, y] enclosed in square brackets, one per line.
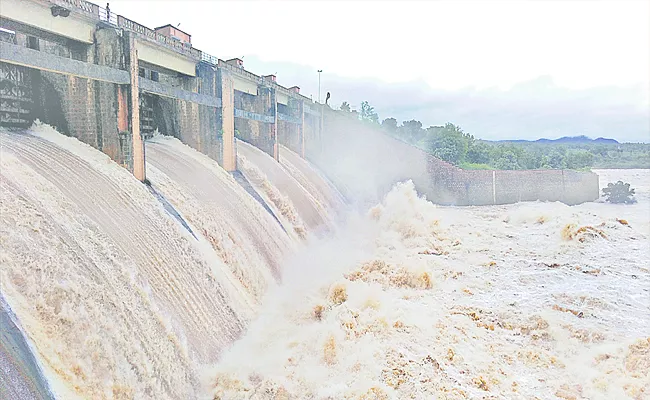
[228, 121]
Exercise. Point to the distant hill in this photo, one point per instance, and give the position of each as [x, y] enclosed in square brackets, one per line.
[565, 140]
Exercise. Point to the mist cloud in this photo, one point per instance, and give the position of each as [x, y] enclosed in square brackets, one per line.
[529, 110]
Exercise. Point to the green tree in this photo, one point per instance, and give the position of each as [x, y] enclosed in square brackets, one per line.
[449, 143]
[619, 192]
[412, 131]
[478, 153]
[389, 124]
[556, 159]
[345, 106]
[508, 160]
[579, 159]
[368, 113]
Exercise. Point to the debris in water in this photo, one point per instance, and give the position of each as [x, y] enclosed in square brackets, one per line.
[329, 350]
[637, 361]
[569, 393]
[481, 383]
[435, 252]
[578, 314]
[569, 232]
[592, 271]
[425, 279]
[338, 294]
[318, 312]
[374, 393]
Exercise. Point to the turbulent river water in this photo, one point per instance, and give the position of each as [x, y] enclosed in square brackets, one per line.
[301, 298]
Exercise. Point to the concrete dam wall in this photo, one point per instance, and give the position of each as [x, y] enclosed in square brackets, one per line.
[111, 83]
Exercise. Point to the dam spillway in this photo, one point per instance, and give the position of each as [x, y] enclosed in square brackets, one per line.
[107, 283]
[246, 237]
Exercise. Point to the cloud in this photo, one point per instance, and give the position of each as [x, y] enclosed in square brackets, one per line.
[528, 110]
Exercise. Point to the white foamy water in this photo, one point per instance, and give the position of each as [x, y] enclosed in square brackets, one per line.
[281, 205]
[244, 235]
[292, 198]
[313, 181]
[531, 300]
[410, 300]
[119, 300]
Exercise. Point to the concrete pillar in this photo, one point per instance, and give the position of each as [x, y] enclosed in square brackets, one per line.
[228, 120]
[125, 152]
[494, 187]
[301, 128]
[320, 128]
[274, 126]
[138, 145]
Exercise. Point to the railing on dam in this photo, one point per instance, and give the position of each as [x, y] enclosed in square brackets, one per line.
[83, 6]
[240, 71]
[210, 59]
[103, 14]
[159, 38]
[107, 16]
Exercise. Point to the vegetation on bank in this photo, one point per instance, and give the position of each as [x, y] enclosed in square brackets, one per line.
[452, 144]
[619, 193]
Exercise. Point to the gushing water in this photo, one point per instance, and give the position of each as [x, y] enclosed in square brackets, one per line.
[244, 235]
[418, 301]
[314, 182]
[117, 297]
[409, 300]
[308, 208]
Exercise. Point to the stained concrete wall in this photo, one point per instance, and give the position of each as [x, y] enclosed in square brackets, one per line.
[81, 107]
[257, 133]
[289, 132]
[193, 124]
[311, 131]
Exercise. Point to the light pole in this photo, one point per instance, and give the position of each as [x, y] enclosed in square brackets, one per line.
[319, 71]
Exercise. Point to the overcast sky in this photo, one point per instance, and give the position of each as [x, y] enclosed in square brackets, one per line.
[500, 69]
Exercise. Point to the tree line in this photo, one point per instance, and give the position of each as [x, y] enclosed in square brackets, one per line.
[450, 143]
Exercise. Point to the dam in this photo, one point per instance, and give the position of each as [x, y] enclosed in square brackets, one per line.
[167, 215]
